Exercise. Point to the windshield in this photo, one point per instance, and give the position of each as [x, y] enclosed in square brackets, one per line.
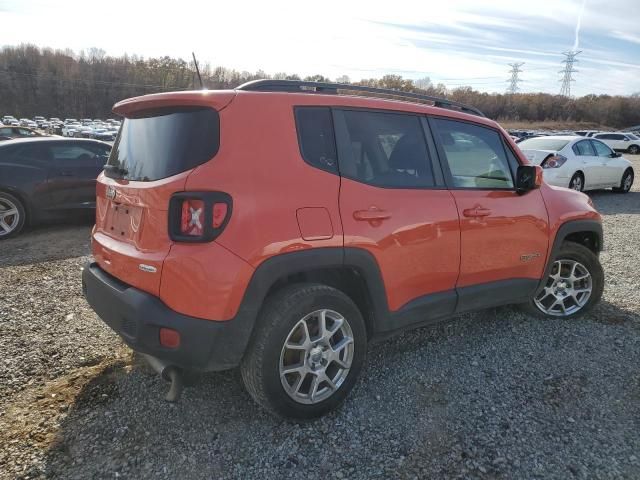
[632, 136]
[543, 143]
[163, 142]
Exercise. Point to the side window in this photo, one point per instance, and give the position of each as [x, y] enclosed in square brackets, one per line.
[601, 149]
[583, 149]
[34, 152]
[316, 138]
[70, 152]
[475, 155]
[384, 149]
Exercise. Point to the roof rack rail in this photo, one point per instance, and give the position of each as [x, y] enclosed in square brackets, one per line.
[333, 88]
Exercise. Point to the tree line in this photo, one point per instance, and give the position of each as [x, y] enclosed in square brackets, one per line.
[63, 83]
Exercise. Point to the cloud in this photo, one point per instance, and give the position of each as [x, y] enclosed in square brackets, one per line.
[628, 37]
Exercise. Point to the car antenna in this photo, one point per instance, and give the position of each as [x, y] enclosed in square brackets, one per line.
[197, 70]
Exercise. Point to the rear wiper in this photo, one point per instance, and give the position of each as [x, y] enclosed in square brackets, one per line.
[114, 169]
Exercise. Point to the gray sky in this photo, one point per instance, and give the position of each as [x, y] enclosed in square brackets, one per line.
[457, 42]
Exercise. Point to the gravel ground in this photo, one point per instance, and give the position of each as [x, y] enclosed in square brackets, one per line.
[495, 395]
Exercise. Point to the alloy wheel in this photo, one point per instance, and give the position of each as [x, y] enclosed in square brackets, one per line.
[316, 356]
[9, 216]
[567, 290]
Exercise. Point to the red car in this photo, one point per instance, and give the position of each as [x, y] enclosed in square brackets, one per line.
[283, 225]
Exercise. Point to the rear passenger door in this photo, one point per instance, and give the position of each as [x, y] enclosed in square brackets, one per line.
[75, 168]
[504, 235]
[394, 204]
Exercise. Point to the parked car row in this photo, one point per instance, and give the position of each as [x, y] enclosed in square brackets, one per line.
[105, 130]
[626, 141]
[87, 128]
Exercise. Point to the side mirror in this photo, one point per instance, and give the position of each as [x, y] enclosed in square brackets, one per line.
[528, 177]
[616, 155]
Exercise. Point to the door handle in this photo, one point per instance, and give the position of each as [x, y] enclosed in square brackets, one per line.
[476, 212]
[372, 214]
[66, 174]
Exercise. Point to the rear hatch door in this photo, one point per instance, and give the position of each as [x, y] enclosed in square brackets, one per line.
[159, 144]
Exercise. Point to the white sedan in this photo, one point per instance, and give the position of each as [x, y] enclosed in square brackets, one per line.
[579, 163]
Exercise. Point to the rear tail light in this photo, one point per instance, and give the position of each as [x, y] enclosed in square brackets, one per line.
[198, 216]
[554, 161]
[219, 214]
[192, 218]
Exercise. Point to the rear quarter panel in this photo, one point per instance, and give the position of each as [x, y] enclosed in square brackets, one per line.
[259, 164]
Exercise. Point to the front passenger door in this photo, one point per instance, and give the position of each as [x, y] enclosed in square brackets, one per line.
[504, 235]
[589, 163]
[610, 169]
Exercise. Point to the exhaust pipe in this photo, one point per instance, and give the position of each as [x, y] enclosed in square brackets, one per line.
[170, 373]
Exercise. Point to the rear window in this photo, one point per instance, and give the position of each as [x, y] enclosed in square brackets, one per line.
[159, 143]
[543, 143]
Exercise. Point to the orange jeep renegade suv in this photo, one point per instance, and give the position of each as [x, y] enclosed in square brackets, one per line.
[283, 225]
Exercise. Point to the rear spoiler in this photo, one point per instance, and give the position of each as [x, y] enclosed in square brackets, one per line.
[217, 99]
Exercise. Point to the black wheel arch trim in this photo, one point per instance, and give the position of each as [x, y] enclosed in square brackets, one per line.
[566, 229]
[383, 322]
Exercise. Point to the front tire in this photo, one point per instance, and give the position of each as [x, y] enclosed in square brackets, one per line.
[626, 182]
[306, 353]
[12, 216]
[577, 182]
[574, 285]
[634, 149]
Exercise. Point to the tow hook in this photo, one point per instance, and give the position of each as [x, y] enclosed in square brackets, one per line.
[170, 373]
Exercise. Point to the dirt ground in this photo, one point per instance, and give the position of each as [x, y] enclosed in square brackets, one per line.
[491, 395]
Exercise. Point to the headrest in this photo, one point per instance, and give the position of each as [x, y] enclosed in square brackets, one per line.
[407, 154]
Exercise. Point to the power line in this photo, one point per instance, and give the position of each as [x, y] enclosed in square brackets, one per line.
[565, 89]
[513, 81]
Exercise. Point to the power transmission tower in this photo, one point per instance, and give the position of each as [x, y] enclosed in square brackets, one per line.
[513, 81]
[565, 90]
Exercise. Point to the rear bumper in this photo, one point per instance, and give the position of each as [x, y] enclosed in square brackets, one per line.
[138, 316]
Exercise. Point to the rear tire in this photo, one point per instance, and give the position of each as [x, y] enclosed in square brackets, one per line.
[577, 182]
[573, 287]
[626, 182]
[290, 368]
[12, 216]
